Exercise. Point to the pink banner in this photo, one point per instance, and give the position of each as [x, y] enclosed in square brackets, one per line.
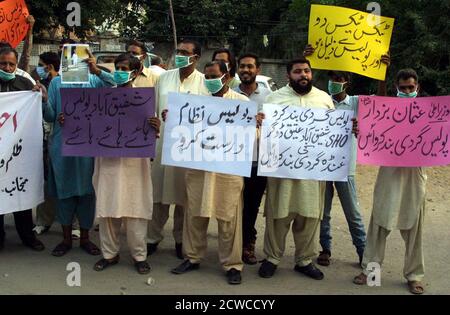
[406, 132]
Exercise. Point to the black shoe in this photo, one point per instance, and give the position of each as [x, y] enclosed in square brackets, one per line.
[179, 250]
[234, 276]
[35, 244]
[310, 271]
[151, 248]
[267, 269]
[185, 266]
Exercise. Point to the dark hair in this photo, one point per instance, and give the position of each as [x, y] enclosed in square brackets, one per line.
[156, 60]
[51, 58]
[405, 74]
[197, 46]
[222, 66]
[8, 50]
[291, 63]
[135, 63]
[340, 75]
[250, 55]
[231, 59]
[137, 43]
[5, 45]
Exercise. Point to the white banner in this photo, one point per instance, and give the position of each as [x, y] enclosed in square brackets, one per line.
[305, 143]
[209, 133]
[21, 165]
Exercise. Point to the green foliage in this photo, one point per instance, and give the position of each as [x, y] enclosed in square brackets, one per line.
[420, 38]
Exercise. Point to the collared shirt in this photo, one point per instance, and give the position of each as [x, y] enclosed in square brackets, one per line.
[147, 78]
[258, 96]
[25, 74]
[350, 103]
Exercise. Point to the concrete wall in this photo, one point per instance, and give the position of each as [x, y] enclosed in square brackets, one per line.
[273, 68]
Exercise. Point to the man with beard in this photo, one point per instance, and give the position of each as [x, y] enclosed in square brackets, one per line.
[295, 201]
[248, 69]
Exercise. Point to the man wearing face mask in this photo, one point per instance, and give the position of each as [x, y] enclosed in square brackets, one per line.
[114, 179]
[70, 178]
[399, 202]
[9, 82]
[295, 201]
[169, 188]
[212, 194]
[18, 71]
[47, 69]
[146, 77]
[225, 55]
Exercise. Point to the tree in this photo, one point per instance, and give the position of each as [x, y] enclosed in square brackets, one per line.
[51, 14]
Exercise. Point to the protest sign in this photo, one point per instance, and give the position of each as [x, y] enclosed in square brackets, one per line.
[305, 143]
[349, 40]
[13, 21]
[406, 132]
[209, 133]
[108, 122]
[21, 164]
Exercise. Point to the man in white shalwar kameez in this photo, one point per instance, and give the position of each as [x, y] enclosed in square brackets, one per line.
[300, 202]
[123, 187]
[214, 195]
[169, 188]
[398, 202]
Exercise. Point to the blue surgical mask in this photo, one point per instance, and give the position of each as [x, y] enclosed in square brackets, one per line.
[335, 88]
[214, 85]
[182, 61]
[406, 95]
[41, 72]
[6, 76]
[122, 77]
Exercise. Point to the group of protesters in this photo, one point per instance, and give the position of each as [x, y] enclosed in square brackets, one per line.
[135, 195]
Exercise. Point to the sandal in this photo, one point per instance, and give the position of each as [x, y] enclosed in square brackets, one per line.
[90, 248]
[360, 279]
[324, 258]
[104, 263]
[415, 287]
[61, 249]
[142, 267]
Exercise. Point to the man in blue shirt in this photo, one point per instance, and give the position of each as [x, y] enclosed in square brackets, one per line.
[70, 178]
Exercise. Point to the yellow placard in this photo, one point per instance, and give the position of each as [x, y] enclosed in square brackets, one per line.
[349, 40]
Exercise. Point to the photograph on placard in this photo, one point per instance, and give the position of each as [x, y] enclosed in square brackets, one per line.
[73, 63]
